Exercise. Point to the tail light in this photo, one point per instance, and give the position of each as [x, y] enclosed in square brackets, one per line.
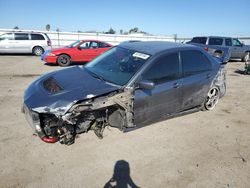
[49, 42]
[206, 49]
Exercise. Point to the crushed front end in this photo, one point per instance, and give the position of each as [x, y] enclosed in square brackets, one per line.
[114, 109]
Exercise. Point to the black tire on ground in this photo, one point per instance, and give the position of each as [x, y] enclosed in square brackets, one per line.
[246, 57]
[37, 50]
[212, 99]
[64, 60]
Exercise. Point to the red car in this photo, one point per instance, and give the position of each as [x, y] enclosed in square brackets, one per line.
[79, 51]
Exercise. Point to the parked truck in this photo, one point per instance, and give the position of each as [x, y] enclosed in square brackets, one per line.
[225, 47]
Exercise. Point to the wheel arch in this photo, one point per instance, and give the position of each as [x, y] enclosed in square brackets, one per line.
[64, 54]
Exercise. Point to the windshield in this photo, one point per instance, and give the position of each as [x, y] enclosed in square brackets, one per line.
[74, 44]
[118, 65]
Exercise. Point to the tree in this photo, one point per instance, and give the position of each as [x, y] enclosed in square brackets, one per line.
[121, 31]
[48, 27]
[134, 30]
[16, 27]
[110, 31]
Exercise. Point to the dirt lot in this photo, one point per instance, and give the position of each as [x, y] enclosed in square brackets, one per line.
[204, 149]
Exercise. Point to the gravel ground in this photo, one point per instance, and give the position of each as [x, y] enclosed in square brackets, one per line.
[203, 149]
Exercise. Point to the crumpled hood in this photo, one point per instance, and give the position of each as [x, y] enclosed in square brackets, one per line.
[76, 83]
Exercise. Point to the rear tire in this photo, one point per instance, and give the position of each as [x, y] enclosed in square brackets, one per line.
[38, 51]
[64, 60]
[212, 98]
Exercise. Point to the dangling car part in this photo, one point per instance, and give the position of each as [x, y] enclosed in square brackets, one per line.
[129, 86]
[247, 67]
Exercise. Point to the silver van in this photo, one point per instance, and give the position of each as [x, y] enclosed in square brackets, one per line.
[24, 42]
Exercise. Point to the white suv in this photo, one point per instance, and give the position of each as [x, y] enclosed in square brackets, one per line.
[24, 42]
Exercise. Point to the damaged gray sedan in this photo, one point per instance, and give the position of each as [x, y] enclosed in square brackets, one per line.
[130, 86]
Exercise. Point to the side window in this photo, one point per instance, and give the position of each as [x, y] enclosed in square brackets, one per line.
[200, 40]
[21, 36]
[163, 70]
[228, 42]
[236, 42]
[194, 62]
[37, 37]
[85, 45]
[93, 45]
[103, 45]
[215, 41]
[7, 36]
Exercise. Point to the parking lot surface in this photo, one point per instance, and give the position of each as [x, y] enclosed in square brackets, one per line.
[203, 149]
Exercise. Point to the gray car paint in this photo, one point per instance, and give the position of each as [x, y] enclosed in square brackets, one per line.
[166, 99]
[77, 85]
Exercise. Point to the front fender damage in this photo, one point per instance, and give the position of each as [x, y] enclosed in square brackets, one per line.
[95, 113]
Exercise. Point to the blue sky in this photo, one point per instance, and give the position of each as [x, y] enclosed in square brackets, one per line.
[162, 17]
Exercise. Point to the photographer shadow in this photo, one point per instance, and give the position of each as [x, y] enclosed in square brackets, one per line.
[121, 177]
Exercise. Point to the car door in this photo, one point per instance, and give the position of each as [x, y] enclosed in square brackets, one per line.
[103, 47]
[22, 43]
[164, 99]
[87, 51]
[236, 49]
[196, 78]
[7, 43]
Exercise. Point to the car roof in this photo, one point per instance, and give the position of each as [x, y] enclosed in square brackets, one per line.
[154, 47]
[93, 40]
[26, 32]
[211, 37]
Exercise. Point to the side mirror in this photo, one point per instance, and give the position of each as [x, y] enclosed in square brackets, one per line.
[146, 84]
[79, 48]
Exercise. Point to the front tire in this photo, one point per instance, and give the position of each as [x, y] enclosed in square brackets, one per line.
[212, 98]
[64, 60]
[38, 51]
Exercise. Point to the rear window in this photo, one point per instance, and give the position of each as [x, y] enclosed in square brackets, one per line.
[194, 62]
[215, 41]
[37, 37]
[200, 40]
[21, 36]
[103, 45]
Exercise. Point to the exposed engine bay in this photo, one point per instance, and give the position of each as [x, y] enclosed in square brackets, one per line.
[115, 110]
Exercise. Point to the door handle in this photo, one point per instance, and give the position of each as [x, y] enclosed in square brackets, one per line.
[176, 85]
